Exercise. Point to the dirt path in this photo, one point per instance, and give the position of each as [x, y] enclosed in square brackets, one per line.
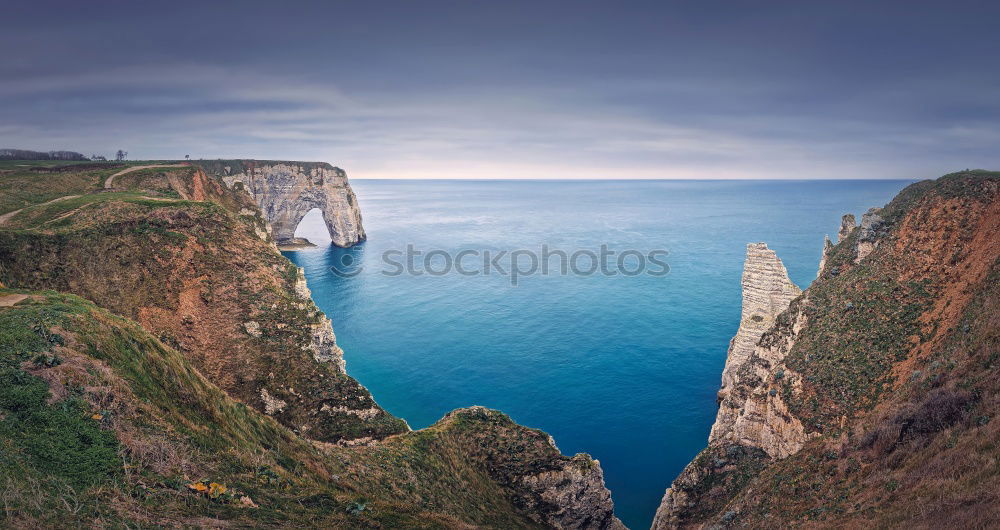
[8, 300]
[109, 183]
[6, 217]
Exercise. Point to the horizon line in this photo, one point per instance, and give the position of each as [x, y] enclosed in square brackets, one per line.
[652, 179]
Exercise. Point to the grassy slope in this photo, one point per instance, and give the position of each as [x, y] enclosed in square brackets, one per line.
[104, 423]
[183, 267]
[22, 187]
[194, 273]
[896, 367]
[130, 417]
[27, 182]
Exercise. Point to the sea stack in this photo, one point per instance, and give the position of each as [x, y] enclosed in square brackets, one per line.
[767, 291]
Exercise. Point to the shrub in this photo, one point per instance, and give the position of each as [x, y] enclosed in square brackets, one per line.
[939, 409]
[942, 408]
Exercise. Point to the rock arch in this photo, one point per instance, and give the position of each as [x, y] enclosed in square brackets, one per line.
[286, 191]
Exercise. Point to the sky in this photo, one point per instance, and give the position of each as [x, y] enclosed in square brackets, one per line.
[477, 89]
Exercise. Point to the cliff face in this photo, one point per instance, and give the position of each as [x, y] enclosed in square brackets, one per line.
[554, 491]
[192, 262]
[206, 369]
[767, 291]
[749, 416]
[286, 191]
[104, 424]
[873, 389]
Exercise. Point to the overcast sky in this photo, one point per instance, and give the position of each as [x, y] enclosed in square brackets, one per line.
[507, 89]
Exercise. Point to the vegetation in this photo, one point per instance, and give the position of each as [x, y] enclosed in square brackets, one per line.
[893, 375]
[195, 273]
[135, 389]
[124, 429]
[21, 187]
[24, 154]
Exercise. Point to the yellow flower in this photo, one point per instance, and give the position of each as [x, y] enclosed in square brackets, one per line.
[216, 489]
[198, 486]
[97, 416]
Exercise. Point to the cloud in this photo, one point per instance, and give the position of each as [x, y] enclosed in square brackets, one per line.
[544, 130]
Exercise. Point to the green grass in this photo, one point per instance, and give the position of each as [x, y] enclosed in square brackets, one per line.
[19, 189]
[154, 180]
[59, 439]
[56, 439]
[60, 466]
[163, 398]
[41, 215]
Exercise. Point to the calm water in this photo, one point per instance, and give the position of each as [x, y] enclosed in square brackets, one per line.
[623, 368]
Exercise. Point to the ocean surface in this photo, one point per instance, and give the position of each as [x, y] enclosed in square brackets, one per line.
[625, 368]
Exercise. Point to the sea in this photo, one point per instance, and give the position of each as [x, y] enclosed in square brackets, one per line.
[621, 361]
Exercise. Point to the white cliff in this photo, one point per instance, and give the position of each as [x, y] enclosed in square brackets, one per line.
[767, 291]
[751, 414]
[286, 191]
[827, 248]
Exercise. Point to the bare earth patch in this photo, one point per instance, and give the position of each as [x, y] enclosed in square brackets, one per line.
[8, 300]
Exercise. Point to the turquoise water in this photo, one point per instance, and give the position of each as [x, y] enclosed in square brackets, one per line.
[623, 368]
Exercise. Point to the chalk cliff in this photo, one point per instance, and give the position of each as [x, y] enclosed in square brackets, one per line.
[750, 416]
[868, 233]
[767, 291]
[874, 387]
[827, 248]
[286, 191]
[201, 386]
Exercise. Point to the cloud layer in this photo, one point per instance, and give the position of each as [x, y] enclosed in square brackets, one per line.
[467, 91]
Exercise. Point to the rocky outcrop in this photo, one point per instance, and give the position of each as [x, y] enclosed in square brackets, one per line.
[718, 471]
[827, 248]
[553, 490]
[576, 494]
[749, 414]
[752, 418]
[847, 225]
[286, 191]
[767, 291]
[753, 413]
[322, 342]
[869, 232]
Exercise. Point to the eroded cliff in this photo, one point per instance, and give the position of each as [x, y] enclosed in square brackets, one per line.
[287, 191]
[767, 291]
[227, 397]
[875, 387]
[203, 276]
[105, 425]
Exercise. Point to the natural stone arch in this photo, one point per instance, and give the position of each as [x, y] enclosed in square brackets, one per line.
[286, 191]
